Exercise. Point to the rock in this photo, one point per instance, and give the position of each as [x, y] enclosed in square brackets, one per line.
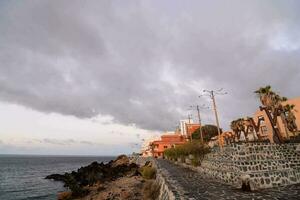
[56, 177]
[121, 160]
[64, 195]
[245, 180]
[298, 149]
[125, 195]
[96, 173]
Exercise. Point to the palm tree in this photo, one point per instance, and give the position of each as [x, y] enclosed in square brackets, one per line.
[265, 93]
[237, 127]
[289, 118]
[272, 103]
[255, 127]
[234, 127]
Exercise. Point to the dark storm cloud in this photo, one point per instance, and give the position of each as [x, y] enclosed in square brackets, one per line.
[143, 63]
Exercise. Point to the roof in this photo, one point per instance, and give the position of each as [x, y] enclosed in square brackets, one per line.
[193, 124]
[173, 135]
[168, 142]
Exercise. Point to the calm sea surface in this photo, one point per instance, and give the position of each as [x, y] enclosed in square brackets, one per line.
[22, 177]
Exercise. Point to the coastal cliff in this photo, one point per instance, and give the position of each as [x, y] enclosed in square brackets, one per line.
[118, 179]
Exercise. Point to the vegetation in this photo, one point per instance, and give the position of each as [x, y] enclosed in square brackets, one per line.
[195, 162]
[195, 148]
[274, 108]
[148, 172]
[208, 131]
[269, 98]
[245, 125]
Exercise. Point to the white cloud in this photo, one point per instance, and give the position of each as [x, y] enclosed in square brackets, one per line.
[114, 64]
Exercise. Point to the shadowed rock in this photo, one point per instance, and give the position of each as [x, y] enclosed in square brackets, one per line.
[96, 173]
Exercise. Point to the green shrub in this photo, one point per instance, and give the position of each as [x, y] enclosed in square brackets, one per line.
[195, 148]
[195, 162]
[148, 172]
[208, 131]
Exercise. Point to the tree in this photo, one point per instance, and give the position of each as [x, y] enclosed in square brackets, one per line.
[237, 127]
[208, 132]
[290, 118]
[264, 94]
[245, 125]
[272, 105]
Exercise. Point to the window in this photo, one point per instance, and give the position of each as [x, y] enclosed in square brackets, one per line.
[165, 147]
[264, 130]
[262, 119]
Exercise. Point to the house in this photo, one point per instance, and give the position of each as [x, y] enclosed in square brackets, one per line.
[146, 150]
[191, 128]
[266, 128]
[167, 141]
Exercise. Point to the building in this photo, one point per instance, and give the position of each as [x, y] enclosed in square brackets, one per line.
[266, 128]
[166, 141]
[191, 128]
[183, 126]
[146, 150]
[187, 127]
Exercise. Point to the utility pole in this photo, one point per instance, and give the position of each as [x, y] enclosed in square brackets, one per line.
[200, 128]
[212, 96]
[189, 117]
[187, 129]
[217, 118]
[199, 120]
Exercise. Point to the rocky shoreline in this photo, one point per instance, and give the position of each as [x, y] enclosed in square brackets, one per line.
[116, 180]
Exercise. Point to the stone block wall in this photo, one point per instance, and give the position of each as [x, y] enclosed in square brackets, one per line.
[256, 165]
[167, 189]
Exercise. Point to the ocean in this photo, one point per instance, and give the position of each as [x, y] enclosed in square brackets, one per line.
[23, 177]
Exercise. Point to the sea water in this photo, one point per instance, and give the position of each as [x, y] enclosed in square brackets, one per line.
[23, 177]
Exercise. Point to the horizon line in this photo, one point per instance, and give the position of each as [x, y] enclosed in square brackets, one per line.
[57, 155]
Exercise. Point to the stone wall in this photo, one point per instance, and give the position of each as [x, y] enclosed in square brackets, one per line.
[168, 189]
[254, 165]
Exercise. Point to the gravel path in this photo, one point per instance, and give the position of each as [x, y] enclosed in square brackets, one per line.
[197, 187]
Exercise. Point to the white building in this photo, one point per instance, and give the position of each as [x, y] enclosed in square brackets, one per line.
[145, 148]
[183, 125]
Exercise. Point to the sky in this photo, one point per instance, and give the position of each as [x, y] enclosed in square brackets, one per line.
[99, 77]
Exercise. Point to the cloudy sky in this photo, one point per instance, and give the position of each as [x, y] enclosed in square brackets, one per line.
[97, 77]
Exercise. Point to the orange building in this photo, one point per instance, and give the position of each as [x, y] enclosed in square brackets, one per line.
[266, 127]
[191, 128]
[167, 141]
